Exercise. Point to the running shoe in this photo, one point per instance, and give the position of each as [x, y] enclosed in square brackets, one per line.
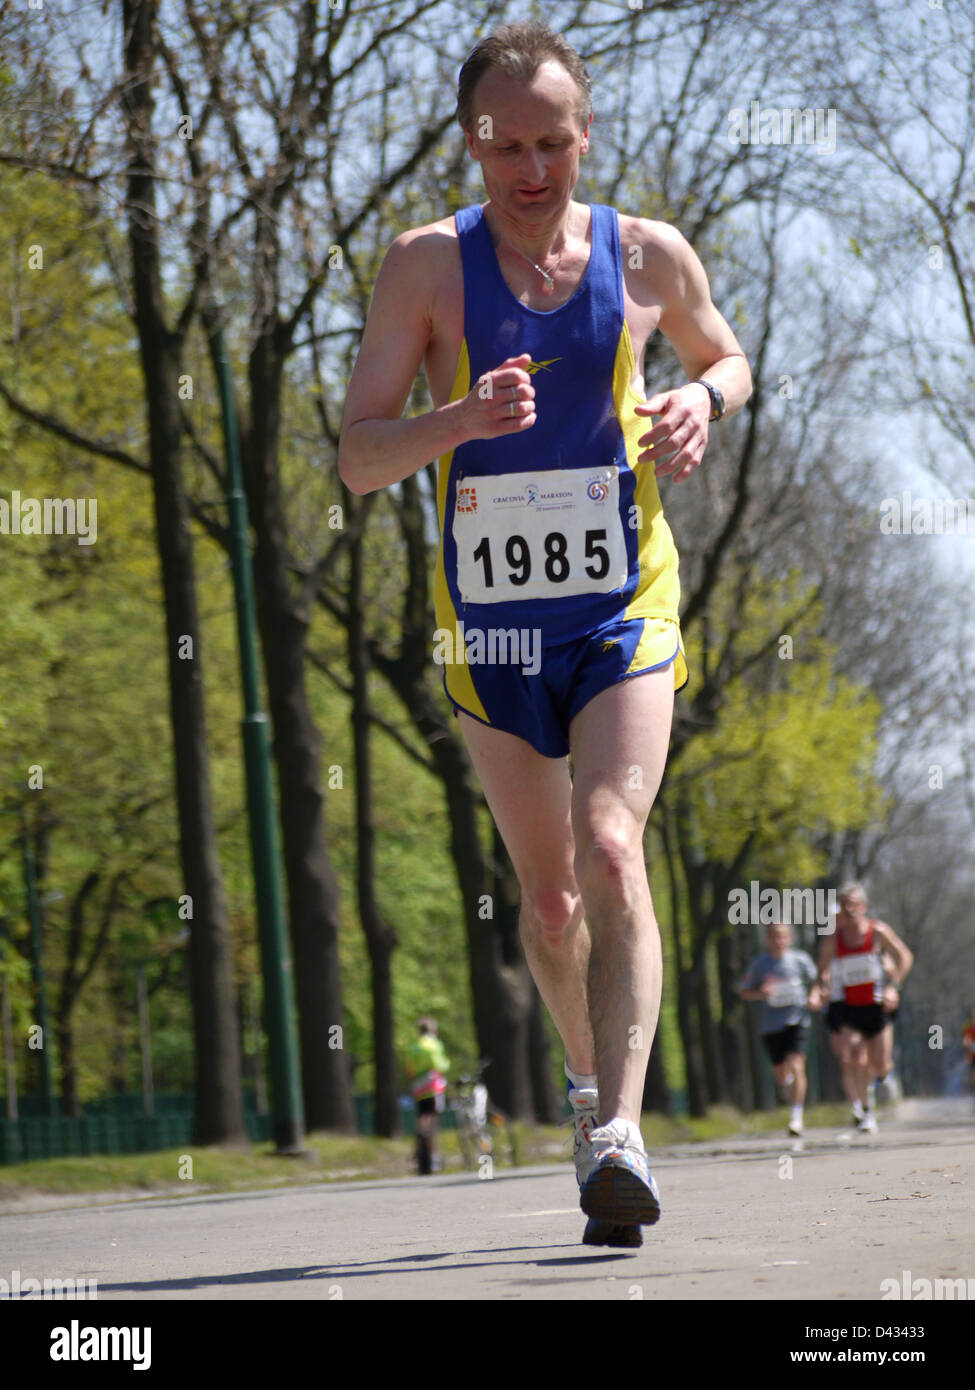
[868, 1125]
[585, 1105]
[619, 1188]
[605, 1233]
[795, 1129]
[889, 1089]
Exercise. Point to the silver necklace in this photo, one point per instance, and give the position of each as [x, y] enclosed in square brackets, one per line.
[549, 285]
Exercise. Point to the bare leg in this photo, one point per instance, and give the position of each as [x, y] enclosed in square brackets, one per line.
[880, 1053]
[530, 797]
[860, 1069]
[793, 1066]
[619, 746]
[844, 1044]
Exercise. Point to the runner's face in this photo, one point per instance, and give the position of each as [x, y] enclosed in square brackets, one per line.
[853, 910]
[778, 941]
[528, 141]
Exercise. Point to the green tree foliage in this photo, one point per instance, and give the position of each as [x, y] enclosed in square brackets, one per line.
[791, 754]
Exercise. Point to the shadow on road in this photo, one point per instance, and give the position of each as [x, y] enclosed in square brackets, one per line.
[408, 1264]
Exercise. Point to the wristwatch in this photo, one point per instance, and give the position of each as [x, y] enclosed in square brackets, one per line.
[717, 400]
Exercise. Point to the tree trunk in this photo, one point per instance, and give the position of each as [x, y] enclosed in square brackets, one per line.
[380, 937]
[697, 1095]
[219, 1116]
[733, 1040]
[656, 1093]
[313, 889]
[689, 1022]
[711, 1050]
[546, 1103]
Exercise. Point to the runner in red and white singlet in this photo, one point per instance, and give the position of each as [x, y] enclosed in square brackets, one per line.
[853, 964]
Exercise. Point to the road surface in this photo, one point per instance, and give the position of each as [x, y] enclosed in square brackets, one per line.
[831, 1218]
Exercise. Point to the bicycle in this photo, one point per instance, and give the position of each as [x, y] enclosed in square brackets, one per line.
[484, 1132]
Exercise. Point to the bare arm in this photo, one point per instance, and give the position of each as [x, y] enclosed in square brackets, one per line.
[705, 346]
[377, 447]
[698, 333]
[903, 956]
[826, 953]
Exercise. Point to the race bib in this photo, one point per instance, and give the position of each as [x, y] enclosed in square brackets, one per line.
[785, 993]
[858, 970]
[539, 535]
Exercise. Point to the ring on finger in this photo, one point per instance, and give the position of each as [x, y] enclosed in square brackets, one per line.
[511, 408]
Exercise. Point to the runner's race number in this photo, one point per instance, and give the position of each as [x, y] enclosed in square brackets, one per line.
[856, 970]
[785, 993]
[539, 535]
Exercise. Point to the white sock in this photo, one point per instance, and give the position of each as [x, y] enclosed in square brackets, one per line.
[633, 1133]
[858, 1108]
[580, 1081]
[795, 1114]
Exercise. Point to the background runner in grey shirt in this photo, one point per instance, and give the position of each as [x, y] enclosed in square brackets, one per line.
[792, 974]
[780, 980]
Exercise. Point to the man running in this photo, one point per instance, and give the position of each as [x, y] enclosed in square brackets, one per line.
[557, 574]
[780, 980]
[861, 1005]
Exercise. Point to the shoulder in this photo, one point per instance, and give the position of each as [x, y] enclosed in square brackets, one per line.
[420, 266]
[422, 249]
[885, 934]
[663, 245]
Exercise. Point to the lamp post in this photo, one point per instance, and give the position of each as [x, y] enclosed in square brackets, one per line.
[287, 1111]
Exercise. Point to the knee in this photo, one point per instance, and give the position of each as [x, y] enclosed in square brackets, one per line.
[608, 855]
[549, 912]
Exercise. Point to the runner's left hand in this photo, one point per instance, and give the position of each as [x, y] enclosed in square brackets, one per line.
[677, 442]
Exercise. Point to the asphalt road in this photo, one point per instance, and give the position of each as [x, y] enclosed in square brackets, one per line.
[830, 1218]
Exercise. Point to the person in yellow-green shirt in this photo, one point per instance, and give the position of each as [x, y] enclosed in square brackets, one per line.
[427, 1065]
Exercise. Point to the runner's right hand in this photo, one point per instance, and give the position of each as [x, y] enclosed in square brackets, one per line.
[487, 406]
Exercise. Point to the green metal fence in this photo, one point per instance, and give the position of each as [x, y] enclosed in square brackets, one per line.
[116, 1125]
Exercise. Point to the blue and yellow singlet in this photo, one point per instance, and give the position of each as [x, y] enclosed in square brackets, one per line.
[555, 530]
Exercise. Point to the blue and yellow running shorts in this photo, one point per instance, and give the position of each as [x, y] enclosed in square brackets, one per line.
[512, 680]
